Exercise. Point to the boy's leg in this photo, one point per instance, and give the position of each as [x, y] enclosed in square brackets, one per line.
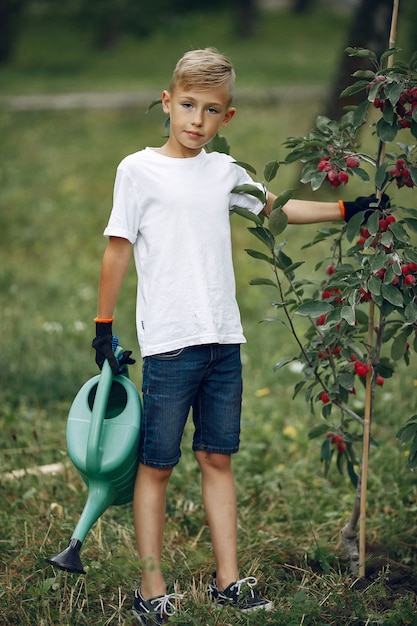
[219, 497]
[149, 507]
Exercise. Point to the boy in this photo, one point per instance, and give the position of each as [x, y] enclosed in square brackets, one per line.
[172, 205]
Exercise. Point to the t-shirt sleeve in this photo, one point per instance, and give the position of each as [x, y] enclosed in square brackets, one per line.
[246, 200]
[125, 215]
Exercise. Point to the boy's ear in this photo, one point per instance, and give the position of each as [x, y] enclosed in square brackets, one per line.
[166, 99]
[228, 116]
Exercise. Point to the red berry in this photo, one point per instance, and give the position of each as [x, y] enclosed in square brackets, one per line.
[343, 177]
[341, 447]
[410, 279]
[321, 320]
[401, 164]
[352, 161]
[405, 269]
[329, 435]
[379, 380]
[412, 266]
[324, 397]
[337, 439]
[323, 163]
[330, 270]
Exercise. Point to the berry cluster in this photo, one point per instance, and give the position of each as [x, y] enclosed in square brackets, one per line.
[401, 174]
[335, 174]
[405, 105]
[337, 440]
[384, 224]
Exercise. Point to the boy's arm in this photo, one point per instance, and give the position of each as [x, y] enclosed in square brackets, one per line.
[307, 211]
[114, 266]
[113, 269]
[310, 211]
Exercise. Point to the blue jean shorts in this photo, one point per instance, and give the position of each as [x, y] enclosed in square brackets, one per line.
[206, 379]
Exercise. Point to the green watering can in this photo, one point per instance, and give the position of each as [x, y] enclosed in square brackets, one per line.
[102, 440]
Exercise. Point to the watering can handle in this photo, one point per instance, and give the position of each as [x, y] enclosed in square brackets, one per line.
[97, 417]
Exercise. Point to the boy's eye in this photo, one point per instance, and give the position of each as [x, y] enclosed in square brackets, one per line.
[212, 110]
[187, 105]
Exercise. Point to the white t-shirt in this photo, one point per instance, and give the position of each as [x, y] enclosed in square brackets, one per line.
[176, 213]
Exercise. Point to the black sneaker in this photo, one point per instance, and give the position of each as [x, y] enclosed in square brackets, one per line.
[239, 594]
[152, 612]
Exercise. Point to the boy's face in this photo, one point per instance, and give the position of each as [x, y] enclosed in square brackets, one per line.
[196, 114]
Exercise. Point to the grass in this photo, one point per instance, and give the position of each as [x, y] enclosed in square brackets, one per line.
[56, 183]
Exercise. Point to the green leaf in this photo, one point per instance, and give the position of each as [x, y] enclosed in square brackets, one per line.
[354, 225]
[386, 132]
[346, 380]
[298, 388]
[326, 451]
[392, 294]
[359, 114]
[361, 173]
[348, 314]
[262, 234]
[246, 167]
[352, 89]
[278, 366]
[408, 431]
[315, 308]
[282, 199]
[399, 346]
[393, 91]
[251, 190]
[362, 53]
[374, 285]
[219, 144]
[317, 431]
[270, 170]
[399, 232]
[411, 312]
[388, 53]
[259, 255]
[262, 281]
[381, 176]
[247, 215]
[278, 221]
[364, 74]
[352, 473]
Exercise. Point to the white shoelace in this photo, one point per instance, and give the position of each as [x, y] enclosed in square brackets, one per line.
[165, 604]
[249, 581]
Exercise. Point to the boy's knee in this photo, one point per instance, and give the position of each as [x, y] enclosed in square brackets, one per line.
[212, 460]
[154, 473]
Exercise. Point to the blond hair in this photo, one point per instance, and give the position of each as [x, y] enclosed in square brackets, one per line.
[204, 68]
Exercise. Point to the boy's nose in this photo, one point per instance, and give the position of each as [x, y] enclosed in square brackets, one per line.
[198, 118]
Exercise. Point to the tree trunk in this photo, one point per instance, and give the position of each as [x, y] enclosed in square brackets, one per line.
[9, 15]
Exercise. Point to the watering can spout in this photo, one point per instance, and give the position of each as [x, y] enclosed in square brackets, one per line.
[102, 441]
[69, 559]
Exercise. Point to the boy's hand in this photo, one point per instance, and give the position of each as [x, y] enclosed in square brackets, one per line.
[103, 345]
[365, 203]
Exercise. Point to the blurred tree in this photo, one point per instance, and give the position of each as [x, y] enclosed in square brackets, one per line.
[301, 6]
[9, 21]
[246, 17]
[370, 28]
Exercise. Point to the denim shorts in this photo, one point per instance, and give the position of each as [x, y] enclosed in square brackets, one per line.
[206, 378]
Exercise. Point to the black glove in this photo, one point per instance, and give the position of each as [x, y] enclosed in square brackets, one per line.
[103, 345]
[363, 204]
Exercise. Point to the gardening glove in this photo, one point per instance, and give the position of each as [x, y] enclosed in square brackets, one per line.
[364, 203]
[104, 344]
